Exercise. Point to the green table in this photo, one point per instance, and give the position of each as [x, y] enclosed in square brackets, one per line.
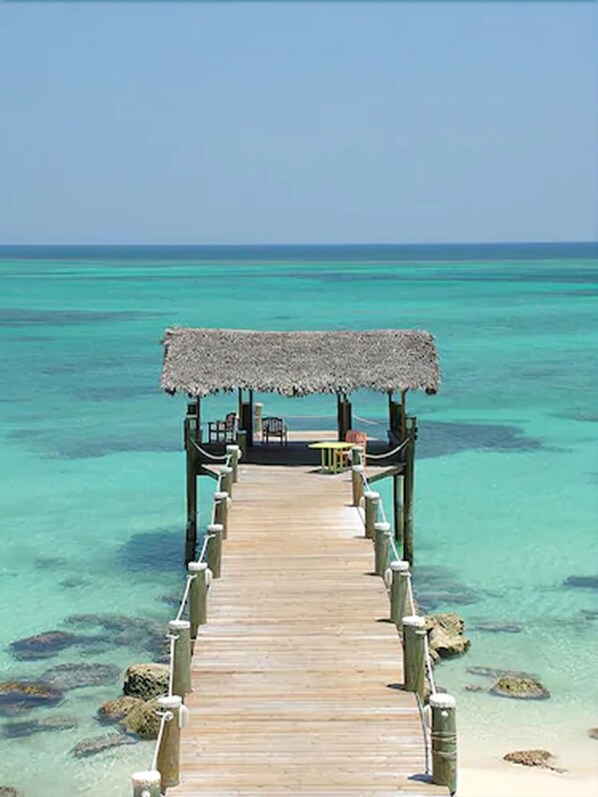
[332, 454]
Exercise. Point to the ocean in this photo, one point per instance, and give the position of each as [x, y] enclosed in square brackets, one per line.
[92, 487]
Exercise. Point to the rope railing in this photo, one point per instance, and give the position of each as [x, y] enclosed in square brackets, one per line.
[437, 709]
[165, 764]
[217, 457]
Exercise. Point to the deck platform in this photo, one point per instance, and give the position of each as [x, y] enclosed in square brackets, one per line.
[297, 674]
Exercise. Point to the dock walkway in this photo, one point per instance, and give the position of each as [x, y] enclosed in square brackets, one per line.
[297, 676]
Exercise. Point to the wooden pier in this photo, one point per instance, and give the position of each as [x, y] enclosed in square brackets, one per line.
[297, 676]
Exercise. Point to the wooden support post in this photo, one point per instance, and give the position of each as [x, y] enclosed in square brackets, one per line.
[214, 549]
[235, 455]
[226, 479]
[242, 441]
[381, 547]
[371, 508]
[408, 476]
[259, 410]
[192, 502]
[221, 511]
[181, 666]
[347, 417]
[198, 595]
[444, 741]
[198, 421]
[339, 416]
[397, 508]
[414, 635]
[357, 484]
[146, 784]
[170, 745]
[398, 591]
[248, 426]
[357, 456]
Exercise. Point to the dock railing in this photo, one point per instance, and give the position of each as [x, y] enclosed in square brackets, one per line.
[438, 709]
[164, 770]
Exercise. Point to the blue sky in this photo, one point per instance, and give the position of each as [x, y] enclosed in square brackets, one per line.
[298, 123]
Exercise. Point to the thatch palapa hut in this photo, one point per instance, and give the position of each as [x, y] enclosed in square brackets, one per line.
[203, 362]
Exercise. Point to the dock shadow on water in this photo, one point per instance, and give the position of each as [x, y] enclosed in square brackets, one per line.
[158, 550]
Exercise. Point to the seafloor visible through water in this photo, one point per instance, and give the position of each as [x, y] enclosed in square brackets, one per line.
[92, 469]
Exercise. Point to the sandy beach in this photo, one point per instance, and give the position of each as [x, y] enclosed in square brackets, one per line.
[517, 781]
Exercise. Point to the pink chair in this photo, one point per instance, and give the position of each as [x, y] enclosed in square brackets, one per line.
[358, 439]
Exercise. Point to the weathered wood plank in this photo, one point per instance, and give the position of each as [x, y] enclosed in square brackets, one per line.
[297, 674]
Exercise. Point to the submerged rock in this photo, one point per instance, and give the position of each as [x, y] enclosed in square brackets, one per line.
[593, 733]
[475, 688]
[98, 744]
[497, 672]
[520, 688]
[445, 635]
[143, 720]
[42, 646]
[590, 614]
[582, 582]
[532, 758]
[498, 627]
[14, 730]
[76, 675]
[146, 680]
[10, 791]
[19, 696]
[116, 710]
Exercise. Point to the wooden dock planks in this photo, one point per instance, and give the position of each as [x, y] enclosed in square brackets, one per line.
[297, 674]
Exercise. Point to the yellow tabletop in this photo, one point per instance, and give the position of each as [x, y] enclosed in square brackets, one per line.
[332, 458]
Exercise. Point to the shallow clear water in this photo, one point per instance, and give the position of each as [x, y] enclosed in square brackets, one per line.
[92, 469]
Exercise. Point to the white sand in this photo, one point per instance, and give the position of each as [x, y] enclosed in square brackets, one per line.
[512, 780]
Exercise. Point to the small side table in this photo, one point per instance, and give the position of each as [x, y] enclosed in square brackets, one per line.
[332, 454]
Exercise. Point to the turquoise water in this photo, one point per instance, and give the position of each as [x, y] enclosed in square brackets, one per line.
[92, 469]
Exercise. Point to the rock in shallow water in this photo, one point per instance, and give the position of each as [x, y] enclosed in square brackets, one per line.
[9, 791]
[143, 720]
[520, 688]
[42, 646]
[98, 744]
[115, 710]
[76, 675]
[498, 627]
[14, 730]
[582, 582]
[593, 733]
[532, 758]
[146, 680]
[445, 635]
[497, 672]
[19, 696]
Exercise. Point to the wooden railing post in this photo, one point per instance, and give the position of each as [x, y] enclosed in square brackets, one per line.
[181, 664]
[414, 635]
[226, 479]
[235, 455]
[221, 510]
[444, 741]
[357, 484]
[192, 497]
[371, 507]
[381, 547]
[408, 479]
[399, 589]
[198, 595]
[169, 751]
[214, 549]
[146, 784]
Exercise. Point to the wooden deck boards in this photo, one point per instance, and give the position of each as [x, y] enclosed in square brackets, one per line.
[297, 674]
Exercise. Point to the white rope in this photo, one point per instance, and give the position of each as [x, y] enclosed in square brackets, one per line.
[204, 547]
[429, 666]
[207, 453]
[395, 550]
[366, 420]
[394, 450]
[184, 598]
[168, 715]
[382, 511]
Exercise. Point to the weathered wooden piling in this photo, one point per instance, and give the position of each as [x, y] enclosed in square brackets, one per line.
[408, 479]
[234, 452]
[399, 590]
[214, 548]
[191, 494]
[198, 595]
[381, 547]
[371, 508]
[414, 633]
[444, 741]
[258, 415]
[181, 664]
[221, 510]
[226, 479]
[146, 784]
[357, 484]
[169, 750]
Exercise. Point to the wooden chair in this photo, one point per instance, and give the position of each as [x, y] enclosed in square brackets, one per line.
[358, 439]
[223, 431]
[274, 427]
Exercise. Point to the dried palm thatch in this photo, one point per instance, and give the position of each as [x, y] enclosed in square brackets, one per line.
[200, 362]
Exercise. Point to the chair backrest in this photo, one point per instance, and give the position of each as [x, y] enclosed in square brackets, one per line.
[231, 420]
[274, 425]
[359, 438]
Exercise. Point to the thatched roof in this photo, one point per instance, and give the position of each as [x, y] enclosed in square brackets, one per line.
[204, 361]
